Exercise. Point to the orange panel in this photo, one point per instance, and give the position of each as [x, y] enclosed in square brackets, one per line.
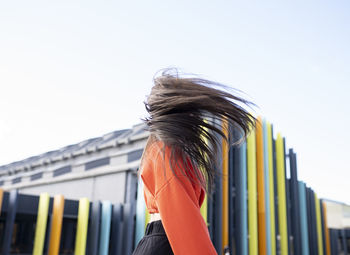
[56, 225]
[1, 197]
[225, 186]
[261, 187]
[328, 246]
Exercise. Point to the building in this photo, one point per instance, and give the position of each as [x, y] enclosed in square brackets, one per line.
[96, 168]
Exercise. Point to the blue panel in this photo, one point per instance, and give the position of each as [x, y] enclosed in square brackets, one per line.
[275, 189]
[303, 220]
[267, 188]
[231, 197]
[241, 200]
[105, 227]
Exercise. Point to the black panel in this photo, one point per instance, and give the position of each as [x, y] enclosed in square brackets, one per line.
[288, 200]
[117, 226]
[94, 228]
[295, 210]
[9, 222]
[129, 211]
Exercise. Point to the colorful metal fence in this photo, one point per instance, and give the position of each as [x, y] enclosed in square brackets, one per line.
[262, 211]
[55, 225]
[255, 209]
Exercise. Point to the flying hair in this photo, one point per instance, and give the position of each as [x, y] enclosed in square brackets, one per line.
[187, 112]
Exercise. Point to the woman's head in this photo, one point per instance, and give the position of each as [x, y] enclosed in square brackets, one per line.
[185, 113]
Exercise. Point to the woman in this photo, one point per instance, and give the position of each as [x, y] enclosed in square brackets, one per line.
[178, 164]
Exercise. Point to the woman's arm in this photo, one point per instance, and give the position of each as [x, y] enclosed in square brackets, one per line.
[177, 203]
[183, 223]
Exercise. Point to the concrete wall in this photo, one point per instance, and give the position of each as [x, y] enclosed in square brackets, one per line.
[338, 215]
[103, 187]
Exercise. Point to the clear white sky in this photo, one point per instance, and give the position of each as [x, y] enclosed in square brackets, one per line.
[74, 70]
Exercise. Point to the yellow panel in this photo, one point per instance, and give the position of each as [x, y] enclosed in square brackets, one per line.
[41, 221]
[281, 190]
[82, 226]
[271, 190]
[204, 207]
[252, 197]
[147, 218]
[319, 226]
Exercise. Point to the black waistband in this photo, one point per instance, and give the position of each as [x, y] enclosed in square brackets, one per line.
[155, 227]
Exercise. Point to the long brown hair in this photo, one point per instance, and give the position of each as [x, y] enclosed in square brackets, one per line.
[184, 113]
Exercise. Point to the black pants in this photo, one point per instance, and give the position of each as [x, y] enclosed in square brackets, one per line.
[155, 241]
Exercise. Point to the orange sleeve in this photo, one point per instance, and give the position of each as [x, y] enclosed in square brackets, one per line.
[182, 220]
[179, 209]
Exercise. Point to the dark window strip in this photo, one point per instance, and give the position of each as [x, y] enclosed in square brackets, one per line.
[62, 170]
[135, 155]
[1, 183]
[36, 176]
[97, 163]
[17, 180]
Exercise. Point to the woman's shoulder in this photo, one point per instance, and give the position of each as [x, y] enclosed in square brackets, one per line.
[154, 169]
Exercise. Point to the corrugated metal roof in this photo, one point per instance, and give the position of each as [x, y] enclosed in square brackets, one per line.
[109, 140]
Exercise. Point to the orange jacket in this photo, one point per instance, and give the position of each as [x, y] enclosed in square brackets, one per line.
[177, 201]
